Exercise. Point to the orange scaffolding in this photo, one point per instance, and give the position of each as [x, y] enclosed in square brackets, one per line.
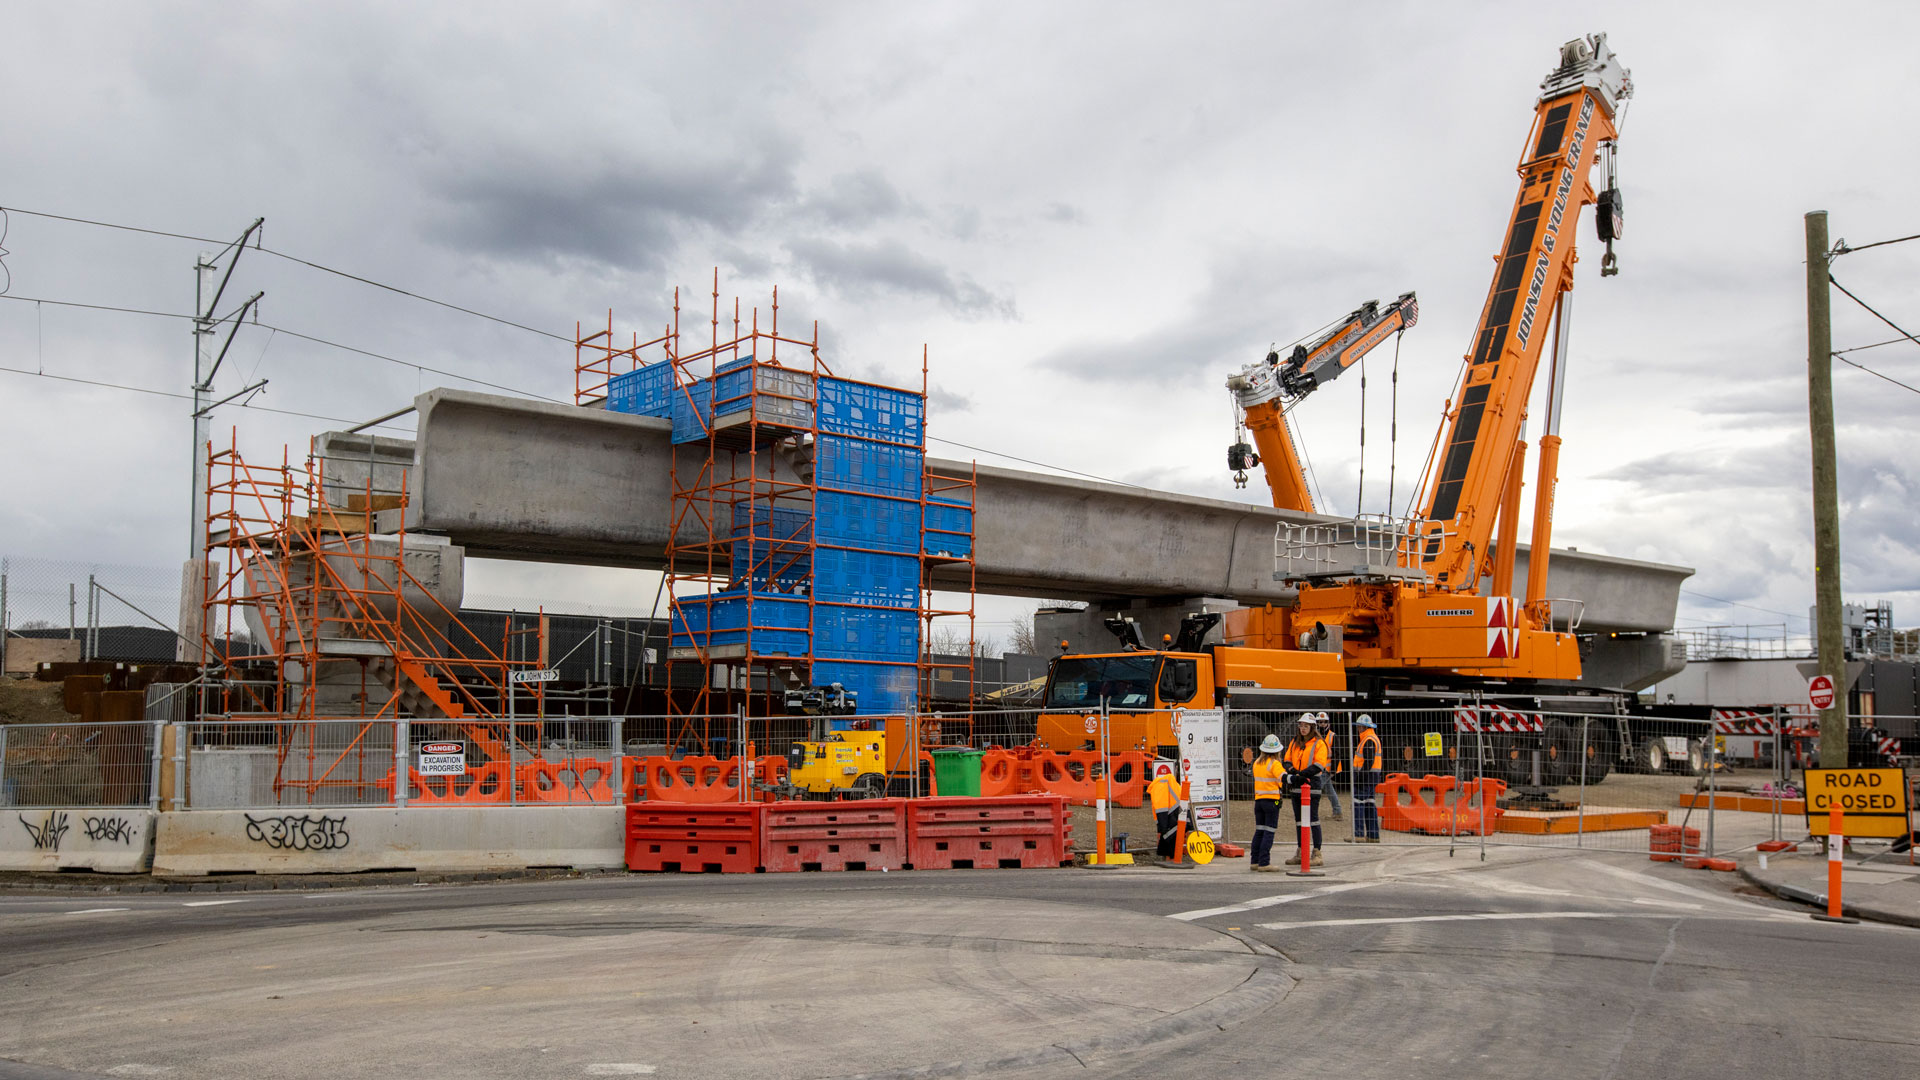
[311, 617]
[743, 513]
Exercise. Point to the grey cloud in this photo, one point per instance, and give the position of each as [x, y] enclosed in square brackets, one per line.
[1063, 214]
[1249, 302]
[869, 268]
[854, 199]
[942, 400]
[630, 214]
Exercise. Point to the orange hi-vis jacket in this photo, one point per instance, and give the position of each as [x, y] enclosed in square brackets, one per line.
[1166, 793]
[1267, 775]
[1300, 756]
[1366, 752]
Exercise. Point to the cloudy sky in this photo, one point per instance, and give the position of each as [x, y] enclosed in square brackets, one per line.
[1089, 212]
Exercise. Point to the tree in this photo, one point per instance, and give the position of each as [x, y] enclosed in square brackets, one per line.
[1026, 639]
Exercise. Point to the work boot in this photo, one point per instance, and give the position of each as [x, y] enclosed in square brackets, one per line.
[1317, 860]
[1295, 861]
[1267, 868]
[1337, 815]
[1352, 840]
[1373, 840]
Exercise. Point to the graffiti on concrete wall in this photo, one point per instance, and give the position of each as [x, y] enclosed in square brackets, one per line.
[298, 832]
[108, 830]
[47, 836]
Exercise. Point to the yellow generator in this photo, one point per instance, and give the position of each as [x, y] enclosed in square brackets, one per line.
[848, 764]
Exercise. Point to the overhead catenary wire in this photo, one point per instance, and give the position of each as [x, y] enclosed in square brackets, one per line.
[1843, 248]
[171, 394]
[226, 245]
[293, 333]
[1896, 326]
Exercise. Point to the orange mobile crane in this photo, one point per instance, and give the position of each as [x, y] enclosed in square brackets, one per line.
[1264, 393]
[1382, 602]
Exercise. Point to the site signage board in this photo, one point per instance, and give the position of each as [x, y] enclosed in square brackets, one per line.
[442, 759]
[1873, 802]
[1820, 691]
[542, 676]
[1202, 737]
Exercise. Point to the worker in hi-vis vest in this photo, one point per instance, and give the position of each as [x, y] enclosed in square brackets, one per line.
[1269, 776]
[1306, 765]
[1367, 762]
[1169, 797]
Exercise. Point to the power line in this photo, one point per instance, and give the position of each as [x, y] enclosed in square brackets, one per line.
[304, 262]
[293, 333]
[1875, 345]
[182, 397]
[1896, 326]
[1736, 603]
[1842, 249]
[1041, 464]
[1876, 374]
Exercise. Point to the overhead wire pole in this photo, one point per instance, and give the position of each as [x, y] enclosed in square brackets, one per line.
[1826, 495]
[203, 328]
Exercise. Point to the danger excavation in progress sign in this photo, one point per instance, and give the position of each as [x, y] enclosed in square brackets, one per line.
[1873, 802]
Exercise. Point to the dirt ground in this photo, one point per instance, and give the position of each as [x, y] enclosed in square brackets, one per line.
[26, 701]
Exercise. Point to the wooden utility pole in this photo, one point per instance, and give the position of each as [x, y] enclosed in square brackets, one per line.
[1826, 497]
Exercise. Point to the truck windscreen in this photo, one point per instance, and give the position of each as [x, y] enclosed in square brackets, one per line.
[1124, 682]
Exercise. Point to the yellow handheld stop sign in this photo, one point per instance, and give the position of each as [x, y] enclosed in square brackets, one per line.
[1200, 847]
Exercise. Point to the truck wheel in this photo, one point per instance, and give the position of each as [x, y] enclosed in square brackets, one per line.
[1516, 761]
[1562, 764]
[1653, 755]
[1696, 757]
[1601, 752]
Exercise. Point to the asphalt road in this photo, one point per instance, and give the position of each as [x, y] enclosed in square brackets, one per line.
[1399, 964]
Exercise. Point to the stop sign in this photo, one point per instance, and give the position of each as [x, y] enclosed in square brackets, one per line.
[1820, 692]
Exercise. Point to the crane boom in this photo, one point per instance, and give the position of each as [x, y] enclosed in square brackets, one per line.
[1265, 391]
[1577, 112]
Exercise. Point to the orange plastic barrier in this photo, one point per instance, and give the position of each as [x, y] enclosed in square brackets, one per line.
[1078, 776]
[694, 779]
[568, 780]
[1470, 820]
[1003, 772]
[486, 783]
[1439, 805]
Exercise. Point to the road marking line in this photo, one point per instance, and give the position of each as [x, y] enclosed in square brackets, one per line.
[620, 1068]
[94, 910]
[1487, 916]
[1672, 887]
[1270, 901]
[210, 903]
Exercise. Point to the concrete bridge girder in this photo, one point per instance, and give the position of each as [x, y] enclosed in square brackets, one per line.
[514, 479]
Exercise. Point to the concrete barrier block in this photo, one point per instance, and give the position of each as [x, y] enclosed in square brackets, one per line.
[321, 840]
[109, 841]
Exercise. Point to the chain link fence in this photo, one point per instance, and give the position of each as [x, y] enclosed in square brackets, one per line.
[60, 611]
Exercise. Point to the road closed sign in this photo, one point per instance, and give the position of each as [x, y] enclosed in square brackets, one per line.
[1872, 802]
[443, 759]
[1820, 691]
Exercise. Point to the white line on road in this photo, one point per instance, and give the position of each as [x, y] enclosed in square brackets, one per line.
[1489, 916]
[95, 910]
[1270, 901]
[210, 903]
[620, 1068]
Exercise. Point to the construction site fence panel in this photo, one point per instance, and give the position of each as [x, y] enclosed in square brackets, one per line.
[1483, 775]
[77, 765]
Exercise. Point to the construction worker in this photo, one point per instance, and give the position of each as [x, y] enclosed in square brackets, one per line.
[1306, 770]
[1367, 763]
[1269, 778]
[1169, 806]
[1324, 725]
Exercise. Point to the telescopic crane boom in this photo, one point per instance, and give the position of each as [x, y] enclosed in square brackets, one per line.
[1265, 391]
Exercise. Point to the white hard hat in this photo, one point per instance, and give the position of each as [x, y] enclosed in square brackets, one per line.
[1270, 744]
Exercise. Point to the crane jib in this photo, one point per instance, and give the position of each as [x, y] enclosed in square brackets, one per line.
[1551, 239]
[1465, 435]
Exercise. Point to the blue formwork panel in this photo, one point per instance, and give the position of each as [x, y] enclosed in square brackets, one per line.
[869, 467]
[643, 391]
[692, 411]
[948, 528]
[777, 624]
[860, 633]
[867, 521]
[883, 688]
[866, 577]
[872, 412]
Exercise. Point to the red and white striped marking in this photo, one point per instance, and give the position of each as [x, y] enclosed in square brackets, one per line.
[1742, 722]
[1496, 720]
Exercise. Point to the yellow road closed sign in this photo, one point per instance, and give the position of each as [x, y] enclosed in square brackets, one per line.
[1873, 802]
[1200, 847]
